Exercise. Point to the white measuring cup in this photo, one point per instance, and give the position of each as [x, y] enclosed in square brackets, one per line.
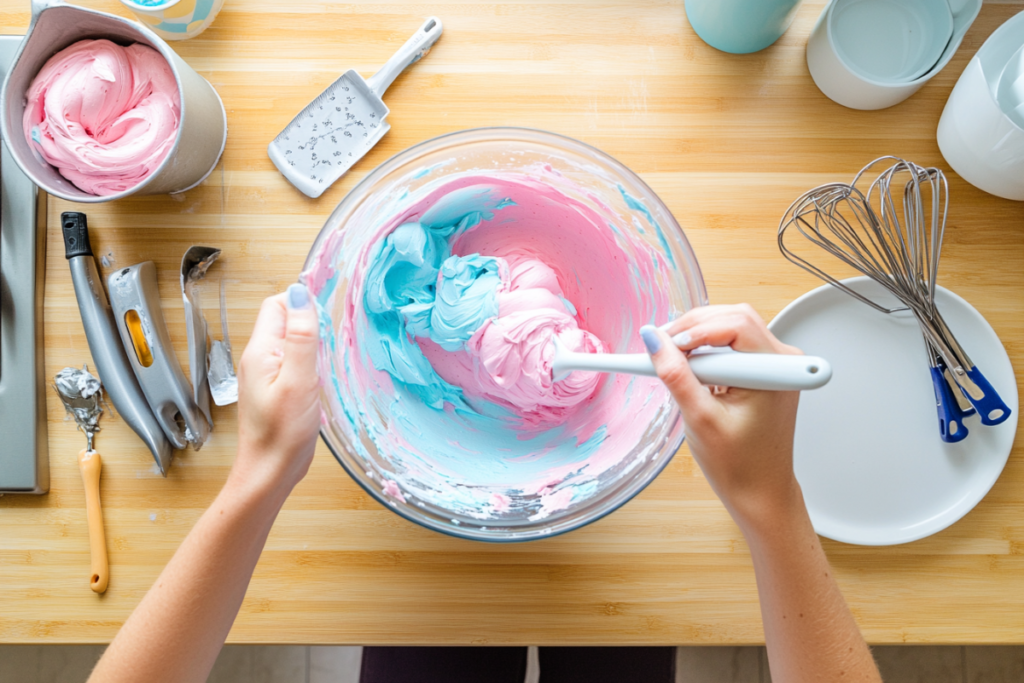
[890, 40]
[873, 54]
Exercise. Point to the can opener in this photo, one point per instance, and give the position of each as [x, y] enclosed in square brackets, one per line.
[135, 299]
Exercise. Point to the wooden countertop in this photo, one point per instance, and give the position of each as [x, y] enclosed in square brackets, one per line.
[727, 141]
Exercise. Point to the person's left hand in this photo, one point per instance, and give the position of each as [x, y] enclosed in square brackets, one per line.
[278, 406]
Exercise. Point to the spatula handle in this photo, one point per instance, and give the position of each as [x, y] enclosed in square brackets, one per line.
[90, 464]
[762, 371]
[413, 51]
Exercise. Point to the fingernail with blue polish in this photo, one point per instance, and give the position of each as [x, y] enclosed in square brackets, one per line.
[651, 339]
[298, 296]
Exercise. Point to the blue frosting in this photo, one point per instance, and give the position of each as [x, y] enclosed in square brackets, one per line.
[465, 300]
[417, 288]
[635, 204]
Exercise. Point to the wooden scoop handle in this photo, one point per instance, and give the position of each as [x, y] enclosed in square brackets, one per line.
[90, 464]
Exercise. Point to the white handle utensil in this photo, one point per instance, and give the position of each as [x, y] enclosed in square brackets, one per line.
[713, 366]
[345, 121]
[415, 49]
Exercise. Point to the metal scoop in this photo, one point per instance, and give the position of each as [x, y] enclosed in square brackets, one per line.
[341, 125]
[80, 392]
[712, 366]
[81, 395]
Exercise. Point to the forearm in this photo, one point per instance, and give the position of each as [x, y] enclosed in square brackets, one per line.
[810, 632]
[180, 626]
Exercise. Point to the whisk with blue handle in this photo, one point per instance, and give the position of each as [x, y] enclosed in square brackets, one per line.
[894, 235]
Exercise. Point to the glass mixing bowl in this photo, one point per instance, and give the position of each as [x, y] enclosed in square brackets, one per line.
[361, 434]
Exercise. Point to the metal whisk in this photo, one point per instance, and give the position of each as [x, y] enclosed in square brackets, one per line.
[895, 238]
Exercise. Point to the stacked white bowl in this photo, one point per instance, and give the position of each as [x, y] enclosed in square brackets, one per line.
[981, 132]
[872, 54]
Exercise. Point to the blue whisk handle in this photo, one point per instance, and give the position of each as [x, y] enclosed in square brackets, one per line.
[991, 408]
[951, 417]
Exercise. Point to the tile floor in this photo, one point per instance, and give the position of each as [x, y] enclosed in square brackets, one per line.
[300, 664]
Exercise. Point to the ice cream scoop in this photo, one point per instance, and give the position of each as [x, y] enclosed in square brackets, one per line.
[81, 394]
[713, 366]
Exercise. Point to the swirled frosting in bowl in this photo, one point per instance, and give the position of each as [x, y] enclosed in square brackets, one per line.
[443, 279]
[104, 115]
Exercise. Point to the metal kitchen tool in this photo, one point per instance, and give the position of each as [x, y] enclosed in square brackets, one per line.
[894, 236]
[194, 265]
[24, 463]
[202, 128]
[82, 394]
[104, 342]
[211, 366]
[220, 367]
[712, 366]
[135, 298]
[341, 125]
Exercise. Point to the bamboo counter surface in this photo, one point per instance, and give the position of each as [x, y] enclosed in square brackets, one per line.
[727, 141]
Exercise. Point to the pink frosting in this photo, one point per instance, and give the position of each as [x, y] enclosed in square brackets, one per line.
[104, 115]
[391, 488]
[509, 358]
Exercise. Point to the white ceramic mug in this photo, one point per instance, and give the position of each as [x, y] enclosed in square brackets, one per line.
[905, 43]
[976, 136]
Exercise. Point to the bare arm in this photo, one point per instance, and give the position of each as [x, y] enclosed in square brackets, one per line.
[743, 441]
[180, 626]
[810, 633]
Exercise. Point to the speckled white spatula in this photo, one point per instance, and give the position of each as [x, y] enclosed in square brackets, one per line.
[348, 118]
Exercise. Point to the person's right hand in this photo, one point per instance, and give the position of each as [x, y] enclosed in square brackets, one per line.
[742, 439]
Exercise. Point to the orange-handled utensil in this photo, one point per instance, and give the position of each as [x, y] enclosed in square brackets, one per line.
[81, 393]
[90, 464]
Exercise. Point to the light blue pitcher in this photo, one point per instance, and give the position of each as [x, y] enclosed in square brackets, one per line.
[740, 26]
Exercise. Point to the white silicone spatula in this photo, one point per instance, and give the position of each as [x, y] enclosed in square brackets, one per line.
[712, 366]
[347, 119]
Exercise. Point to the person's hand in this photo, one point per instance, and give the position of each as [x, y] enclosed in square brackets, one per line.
[742, 439]
[278, 406]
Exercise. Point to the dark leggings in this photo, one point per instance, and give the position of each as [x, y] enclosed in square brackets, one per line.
[508, 665]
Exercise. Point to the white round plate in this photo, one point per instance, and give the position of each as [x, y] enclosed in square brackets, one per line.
[868, 455]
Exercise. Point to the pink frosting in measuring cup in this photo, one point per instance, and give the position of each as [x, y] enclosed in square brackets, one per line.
[104, 115]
